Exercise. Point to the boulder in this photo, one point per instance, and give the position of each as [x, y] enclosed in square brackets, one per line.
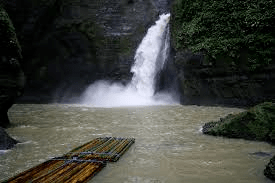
[6, 142]
[257, 123]
[269, 171]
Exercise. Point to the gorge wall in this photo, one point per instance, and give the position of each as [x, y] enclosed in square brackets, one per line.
[67, 45]
[201, 84]
[223, 51]
[11, 74]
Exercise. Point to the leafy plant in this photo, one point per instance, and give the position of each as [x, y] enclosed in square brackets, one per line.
[224, 28]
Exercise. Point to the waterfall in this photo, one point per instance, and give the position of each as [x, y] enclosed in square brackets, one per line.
[149, 59]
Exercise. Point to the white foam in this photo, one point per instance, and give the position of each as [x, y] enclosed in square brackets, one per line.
[4, 151]
[105, 94]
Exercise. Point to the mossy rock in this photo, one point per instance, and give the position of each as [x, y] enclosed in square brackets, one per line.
[269, 171]
[257, 123]
[8, 44]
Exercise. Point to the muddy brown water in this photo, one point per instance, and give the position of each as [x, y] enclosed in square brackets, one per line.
[169, 147]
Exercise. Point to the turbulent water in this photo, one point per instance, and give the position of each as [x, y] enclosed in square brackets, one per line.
[169, 147]
[150, 58]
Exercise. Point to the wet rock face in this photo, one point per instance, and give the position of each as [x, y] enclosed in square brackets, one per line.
[269, 171]
[11, 75]
[67, 45]
[204, 84]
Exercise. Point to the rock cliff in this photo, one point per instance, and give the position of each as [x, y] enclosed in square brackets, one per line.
[11, 75]
[67, 45]
[221, 84]
[224, 51]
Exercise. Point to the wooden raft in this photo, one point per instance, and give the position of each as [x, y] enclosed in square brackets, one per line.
[79, 165]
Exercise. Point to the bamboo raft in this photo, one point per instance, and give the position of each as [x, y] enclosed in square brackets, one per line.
[78, 165]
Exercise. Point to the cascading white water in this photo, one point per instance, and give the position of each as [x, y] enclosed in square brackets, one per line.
[149, 60]
[147, 63]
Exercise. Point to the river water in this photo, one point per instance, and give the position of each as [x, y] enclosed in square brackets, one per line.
[169, 145]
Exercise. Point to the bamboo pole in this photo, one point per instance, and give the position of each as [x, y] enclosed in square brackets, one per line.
[52, 174]
[84, 174]
[36, 171]
[67, 175]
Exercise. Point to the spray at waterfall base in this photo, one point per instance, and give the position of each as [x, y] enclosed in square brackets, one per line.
[150, 59]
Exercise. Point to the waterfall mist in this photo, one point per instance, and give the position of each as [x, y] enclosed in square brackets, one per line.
[150, 58]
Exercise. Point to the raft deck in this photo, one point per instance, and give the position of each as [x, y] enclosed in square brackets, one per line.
[79, 165]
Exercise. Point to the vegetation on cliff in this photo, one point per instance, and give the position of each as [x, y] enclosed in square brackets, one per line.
[229, 30]
[257, 123]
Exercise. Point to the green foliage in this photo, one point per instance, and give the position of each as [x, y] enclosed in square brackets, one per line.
[124, 46]
[225, 27]
[258, 123]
